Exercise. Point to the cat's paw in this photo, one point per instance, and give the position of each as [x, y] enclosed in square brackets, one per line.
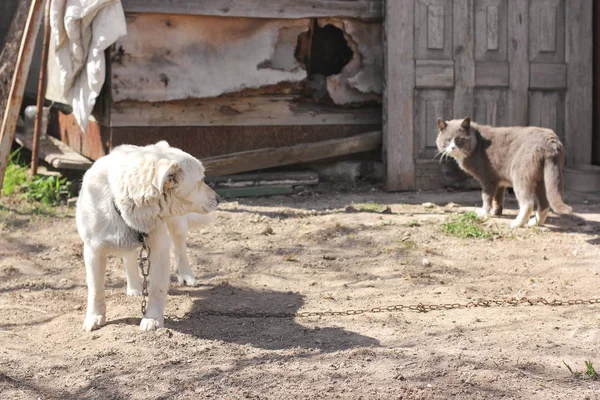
[516, 223]
[533, 222]
[497, 212]
[482, 213]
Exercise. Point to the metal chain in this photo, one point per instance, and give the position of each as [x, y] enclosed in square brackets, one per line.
[144, 263]
[423, 308]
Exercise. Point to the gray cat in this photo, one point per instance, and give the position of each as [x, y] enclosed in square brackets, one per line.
[528, 159]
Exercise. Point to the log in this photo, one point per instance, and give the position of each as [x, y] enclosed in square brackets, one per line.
[274, 157]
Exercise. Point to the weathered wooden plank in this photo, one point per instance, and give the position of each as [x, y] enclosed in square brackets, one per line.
[492, 74]
[213, 141]
[55, 153]
[547, 109]
[175, 57]
[429, 105]
[434, 74]
[254, 191]
[435, 27]
[432, 27]
[493, 23]
[491, 107]
[518, 19]
[578, 127]
[243, 111]
[287, 178]
[547, 76]
[547, 30]
[260, 9]
[491, 30]
[399, 82]
[274, 157]
[29, 25]
[464, 69]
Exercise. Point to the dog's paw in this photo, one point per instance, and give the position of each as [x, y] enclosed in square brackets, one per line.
[188, 280]
[134, 291]
[149, 324]
[92, 322]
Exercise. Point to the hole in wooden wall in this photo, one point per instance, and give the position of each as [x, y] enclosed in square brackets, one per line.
[323, 51]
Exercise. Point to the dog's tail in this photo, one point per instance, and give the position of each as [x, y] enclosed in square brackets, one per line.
[196, 221]
[554, 181]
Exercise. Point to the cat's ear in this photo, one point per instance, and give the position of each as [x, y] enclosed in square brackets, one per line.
[466, 124]
[442, 124]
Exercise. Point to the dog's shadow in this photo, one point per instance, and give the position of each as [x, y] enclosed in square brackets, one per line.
[267, 332]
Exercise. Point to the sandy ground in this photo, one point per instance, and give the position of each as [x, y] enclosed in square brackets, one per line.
[306, 253]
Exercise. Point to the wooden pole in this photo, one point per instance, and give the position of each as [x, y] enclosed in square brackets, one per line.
[41, 95]
[17, 88]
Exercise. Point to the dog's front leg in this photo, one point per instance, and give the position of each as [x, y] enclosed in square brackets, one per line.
[95, 267]
[159, 279]
[178, 229]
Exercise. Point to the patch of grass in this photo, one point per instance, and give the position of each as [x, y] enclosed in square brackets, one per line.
[590, 371]
[47, 190]
[467, 226]
[414, 224]
[370, 207]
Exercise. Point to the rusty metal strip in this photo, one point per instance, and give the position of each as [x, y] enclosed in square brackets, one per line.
[41, 95]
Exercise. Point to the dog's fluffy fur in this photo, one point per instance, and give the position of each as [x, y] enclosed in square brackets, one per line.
[154, 190]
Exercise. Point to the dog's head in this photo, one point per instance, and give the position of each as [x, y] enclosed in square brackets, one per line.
[179, 179]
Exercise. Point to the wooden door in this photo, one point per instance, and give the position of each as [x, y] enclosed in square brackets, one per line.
[501, 62]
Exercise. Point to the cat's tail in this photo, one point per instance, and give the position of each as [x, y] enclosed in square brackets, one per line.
[554, 183]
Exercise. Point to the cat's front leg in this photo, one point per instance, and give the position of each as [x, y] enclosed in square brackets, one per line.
[498, 201]
[487, 194]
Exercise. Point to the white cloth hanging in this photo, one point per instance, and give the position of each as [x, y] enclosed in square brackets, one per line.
[81, 31]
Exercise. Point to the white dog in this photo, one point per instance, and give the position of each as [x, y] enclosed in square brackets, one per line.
[136, 191]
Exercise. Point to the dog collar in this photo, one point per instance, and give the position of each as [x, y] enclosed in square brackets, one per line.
[141, 236]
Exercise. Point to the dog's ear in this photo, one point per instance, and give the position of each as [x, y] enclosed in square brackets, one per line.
[163, 144]
[164, 172]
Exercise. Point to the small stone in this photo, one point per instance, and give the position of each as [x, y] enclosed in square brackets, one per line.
[78, 307]
[426, 262]
[428, 205]
[268, 231]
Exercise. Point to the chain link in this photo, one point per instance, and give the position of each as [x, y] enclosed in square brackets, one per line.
[422, 308]
[144, 263]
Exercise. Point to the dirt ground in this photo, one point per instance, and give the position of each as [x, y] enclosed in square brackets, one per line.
[305, 252]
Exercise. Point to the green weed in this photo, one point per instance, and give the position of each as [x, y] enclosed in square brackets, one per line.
[466, 226]
[47, 190]
[590, 371]
[371, 207]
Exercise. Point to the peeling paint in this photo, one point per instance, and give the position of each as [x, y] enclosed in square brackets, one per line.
[168, 57]
[361, 80]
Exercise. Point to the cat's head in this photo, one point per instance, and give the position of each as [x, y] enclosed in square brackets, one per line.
[456, 138]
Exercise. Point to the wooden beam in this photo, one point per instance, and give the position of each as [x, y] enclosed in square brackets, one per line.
[239, 111]
[286, 9]
[274, 157]
[398, 92]
[19, 79]
[55, 153]
[579, 111]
